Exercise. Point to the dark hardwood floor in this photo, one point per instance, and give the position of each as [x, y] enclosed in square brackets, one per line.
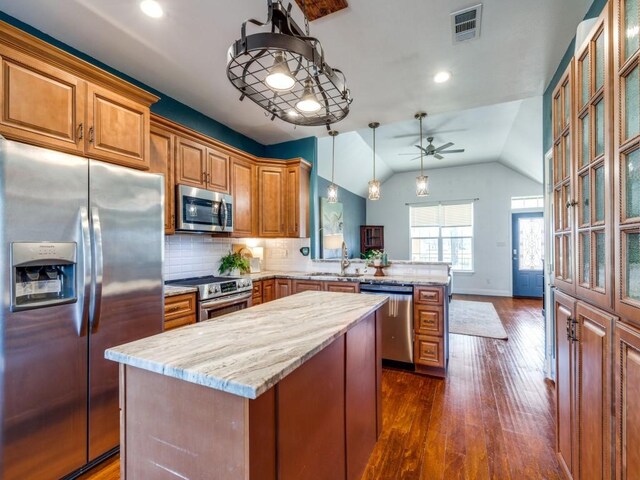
[492, 418]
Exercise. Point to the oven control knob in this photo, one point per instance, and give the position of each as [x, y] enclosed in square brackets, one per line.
[211, 290]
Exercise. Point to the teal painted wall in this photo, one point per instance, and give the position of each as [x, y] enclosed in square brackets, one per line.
[594, 11]
[354, 215]
[306, 148]
[167, 107]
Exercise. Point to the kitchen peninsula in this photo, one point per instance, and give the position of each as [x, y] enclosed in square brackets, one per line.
[289, 389]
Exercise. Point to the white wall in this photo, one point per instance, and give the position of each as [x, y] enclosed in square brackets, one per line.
[494, 185]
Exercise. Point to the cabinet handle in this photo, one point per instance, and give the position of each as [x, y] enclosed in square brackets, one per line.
[91, 135]
[172, 309]
[80, 131]
[569, 324]
[571, 203]
[574, 324]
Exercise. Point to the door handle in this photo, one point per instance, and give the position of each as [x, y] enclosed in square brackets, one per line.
[96, 286]
[85, 246]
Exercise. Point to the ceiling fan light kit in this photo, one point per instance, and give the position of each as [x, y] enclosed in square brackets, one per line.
[284, 70]
[374, 185]
[332, 190]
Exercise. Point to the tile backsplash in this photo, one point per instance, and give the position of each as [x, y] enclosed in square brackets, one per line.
[198, 255]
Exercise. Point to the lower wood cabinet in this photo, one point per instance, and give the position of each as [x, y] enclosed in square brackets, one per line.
[346, 287]
[583, 392]
[256, 294]
[429, 351]
[627, 387]
[179, 310]
[431, 330]
[268, 290]
[304, 285]
[282, 287]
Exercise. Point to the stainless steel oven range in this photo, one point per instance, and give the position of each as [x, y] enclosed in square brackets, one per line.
[218, 296]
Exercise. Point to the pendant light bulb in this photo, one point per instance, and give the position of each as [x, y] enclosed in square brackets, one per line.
[280, 78]
[374, 185]
[332, 190]
[422, 181]
[308, 102]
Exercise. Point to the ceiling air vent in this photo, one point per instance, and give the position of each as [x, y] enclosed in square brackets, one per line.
[465, 23]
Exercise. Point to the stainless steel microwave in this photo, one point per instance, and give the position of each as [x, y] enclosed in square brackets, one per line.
[199, 210]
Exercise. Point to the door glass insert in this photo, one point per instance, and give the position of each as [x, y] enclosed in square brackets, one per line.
[558, 208]
[632, 104]
[557, 163]
[584, 85]
[566, 198]
[558, 254]
[530, 243]
[566, 95]
[585, 258]
[632, 184]
[585, 156]
[599, 62]
[558, 114]
[632, 282]
[568, 257]
[567, 156]
[630, 28]
[600, 267]
[585, 194]
[600, 128]
[599, 193]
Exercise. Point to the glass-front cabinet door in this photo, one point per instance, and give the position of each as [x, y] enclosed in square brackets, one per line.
[627, 159]
[563, 199]
[593, 166]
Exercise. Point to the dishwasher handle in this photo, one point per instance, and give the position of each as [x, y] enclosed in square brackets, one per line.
[386, 288]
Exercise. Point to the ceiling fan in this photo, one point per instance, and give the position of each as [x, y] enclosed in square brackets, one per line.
[436, 152]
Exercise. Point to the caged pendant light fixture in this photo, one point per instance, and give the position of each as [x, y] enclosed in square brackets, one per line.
[422, 181]
[332, 191]
[283, 69]
[374, 185]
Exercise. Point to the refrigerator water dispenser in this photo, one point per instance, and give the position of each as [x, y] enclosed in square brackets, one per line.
[43, 274]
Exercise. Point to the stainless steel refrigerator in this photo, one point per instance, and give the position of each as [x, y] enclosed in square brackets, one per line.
[81, 249]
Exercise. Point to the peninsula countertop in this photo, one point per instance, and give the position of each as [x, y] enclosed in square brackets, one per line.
[413, 279]
[247, 352]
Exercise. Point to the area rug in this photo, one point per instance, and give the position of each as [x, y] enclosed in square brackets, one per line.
[479, 319]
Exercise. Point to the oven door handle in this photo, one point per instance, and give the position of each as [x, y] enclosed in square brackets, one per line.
[221, 302]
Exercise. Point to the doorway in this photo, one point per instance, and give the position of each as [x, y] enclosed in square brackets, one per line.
[528, 254]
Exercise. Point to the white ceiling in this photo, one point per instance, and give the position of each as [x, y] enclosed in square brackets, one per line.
[389, 51]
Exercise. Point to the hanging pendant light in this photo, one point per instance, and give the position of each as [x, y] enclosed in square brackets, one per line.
[280, 78]
[422, 181]
[283, 69]
[308, 102]
[374, 185]
[332, 191]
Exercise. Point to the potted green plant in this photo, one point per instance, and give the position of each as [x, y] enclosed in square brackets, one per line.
[233, 264]
[373, 257]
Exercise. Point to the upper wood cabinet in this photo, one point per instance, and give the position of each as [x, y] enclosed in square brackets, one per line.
[118, 128]
[190, 163]
[297, 201]
[271, 201]
[52, 99]
[243, 191]
[217, 171]
[162, 151]
[626, 229]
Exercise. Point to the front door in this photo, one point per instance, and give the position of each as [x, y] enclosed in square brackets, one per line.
[528, 253]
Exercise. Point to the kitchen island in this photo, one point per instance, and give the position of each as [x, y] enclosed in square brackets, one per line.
[285, 390]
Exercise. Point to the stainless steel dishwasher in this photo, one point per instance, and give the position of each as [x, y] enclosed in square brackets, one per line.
[397, 320]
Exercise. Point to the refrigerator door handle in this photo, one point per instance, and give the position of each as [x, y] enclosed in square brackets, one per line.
[96, 285]
[85, 274]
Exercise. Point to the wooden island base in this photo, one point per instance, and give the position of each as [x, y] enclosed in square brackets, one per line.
[320, 422]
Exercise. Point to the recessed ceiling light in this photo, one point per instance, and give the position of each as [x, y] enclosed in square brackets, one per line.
[441, 77]
[151, 8]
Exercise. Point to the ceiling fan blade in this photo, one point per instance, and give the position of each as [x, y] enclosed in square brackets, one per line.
[412, 159]
[438, 156]
[442, 147]
[421, 148]
[406, 153]
[453, 151]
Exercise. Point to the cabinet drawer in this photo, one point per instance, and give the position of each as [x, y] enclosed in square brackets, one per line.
[179, 322]
[346, 287]
[428, 295]
[179, 306]
[304, 285]
[429, 351]
[428, 320]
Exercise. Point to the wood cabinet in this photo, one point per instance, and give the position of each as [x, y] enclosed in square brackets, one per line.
[282, 287]
[268, 290]
[271, 201]
[179, 310]
[191, 163]
[243, 191]
[256, 294]
[297, 199]
[217, 171]
[627, 388]
[583, 392]
[345, 287]
[626, 152]
[162, 142]
[371, 238]
[431, 330]
[305, 285]
[52, 99]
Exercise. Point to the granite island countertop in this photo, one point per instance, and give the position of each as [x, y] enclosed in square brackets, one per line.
[247, 352]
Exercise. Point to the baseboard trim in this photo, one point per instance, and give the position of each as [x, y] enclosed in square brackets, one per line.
[481, 291]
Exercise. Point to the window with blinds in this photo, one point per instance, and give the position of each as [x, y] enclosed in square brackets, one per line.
[443, 233]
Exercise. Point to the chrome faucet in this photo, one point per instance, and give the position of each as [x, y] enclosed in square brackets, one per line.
[344, 262]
